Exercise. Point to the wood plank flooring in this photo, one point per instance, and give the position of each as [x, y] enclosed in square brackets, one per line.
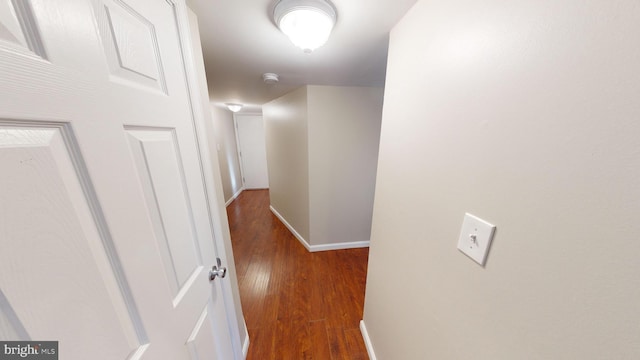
[297, 304]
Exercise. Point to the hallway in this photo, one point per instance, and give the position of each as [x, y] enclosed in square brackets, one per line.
[297, 304]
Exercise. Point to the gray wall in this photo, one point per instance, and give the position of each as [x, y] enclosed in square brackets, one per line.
[526, 114]
[288, 158]
[344, 132]
[223, 143]
[322, 149]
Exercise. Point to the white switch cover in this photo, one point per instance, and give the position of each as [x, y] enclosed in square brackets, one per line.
[475, 238]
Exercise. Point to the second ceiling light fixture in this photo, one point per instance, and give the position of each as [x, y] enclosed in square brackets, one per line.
[307, 23]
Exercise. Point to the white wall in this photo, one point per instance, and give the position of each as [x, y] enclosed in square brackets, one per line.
[526, 114]
[223, 143]
[344, 132]
[288, 158]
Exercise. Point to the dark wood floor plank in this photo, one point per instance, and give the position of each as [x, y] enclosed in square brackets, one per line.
[297, 304]
[320, 349]
[355, 344]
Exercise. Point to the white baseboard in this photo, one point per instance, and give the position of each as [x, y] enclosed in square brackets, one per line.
[233, 197]
[367, 341]
[293, 231]
[339, 246]
[321, 247]
[245, 346]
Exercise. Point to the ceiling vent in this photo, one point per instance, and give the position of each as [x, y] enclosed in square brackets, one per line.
[270, 78]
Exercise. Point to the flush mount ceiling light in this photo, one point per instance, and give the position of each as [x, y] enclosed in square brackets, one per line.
[234, 107]
[307, 23]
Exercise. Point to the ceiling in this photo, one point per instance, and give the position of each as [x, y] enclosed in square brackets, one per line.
[241, 42]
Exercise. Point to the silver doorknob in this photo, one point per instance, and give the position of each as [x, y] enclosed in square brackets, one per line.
[217, 270]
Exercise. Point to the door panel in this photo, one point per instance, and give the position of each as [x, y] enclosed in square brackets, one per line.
[54, 232]
[131, 45]
[162, 178]
[106, 235]
[158, 166]
[200, 347]
[11, 327]
[18, 27]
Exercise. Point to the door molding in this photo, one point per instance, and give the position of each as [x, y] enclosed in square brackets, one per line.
[199, 96]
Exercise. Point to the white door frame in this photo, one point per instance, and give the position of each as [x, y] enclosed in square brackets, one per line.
[211, 171]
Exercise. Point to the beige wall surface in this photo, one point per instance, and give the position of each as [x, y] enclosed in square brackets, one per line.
[224, 136]
[287, 158]
[344, 132]
[525, 114]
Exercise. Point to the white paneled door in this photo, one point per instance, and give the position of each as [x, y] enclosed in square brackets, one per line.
[106, 235]
[252, 151]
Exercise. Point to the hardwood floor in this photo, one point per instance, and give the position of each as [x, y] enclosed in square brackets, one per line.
[297, 304]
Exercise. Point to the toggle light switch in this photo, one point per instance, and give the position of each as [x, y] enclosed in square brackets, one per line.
[475, 238]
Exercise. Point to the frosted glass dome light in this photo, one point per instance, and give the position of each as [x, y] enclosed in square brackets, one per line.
[307, 23]
[234, 107]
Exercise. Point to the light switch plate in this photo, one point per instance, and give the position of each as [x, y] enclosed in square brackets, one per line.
[475, 238]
